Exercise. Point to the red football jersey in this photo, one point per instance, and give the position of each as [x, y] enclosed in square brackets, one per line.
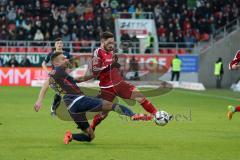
[102, 60]
[236, 59]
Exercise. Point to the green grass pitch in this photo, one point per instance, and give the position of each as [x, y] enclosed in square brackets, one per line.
[203, 134]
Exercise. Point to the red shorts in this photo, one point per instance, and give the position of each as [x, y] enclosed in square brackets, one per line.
[123, 90]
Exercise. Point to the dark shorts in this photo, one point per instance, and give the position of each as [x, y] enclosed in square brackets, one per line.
[80, 107]
[123, 90]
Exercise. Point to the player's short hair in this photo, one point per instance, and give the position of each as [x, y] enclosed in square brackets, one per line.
[106, 35]
[55, 55]
[58, 39]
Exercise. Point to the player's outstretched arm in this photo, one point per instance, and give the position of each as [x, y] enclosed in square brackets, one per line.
[84, 78]
[234, 67]
[44, 66]
[41, 95]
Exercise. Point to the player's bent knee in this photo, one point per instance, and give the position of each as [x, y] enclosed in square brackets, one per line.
[107, 106]
[137, 95]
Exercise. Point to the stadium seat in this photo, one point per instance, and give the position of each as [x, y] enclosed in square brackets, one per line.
[21, 49]
[2, 49]
[40, 50]
[48, 50]
[181, 51]
[172, 51]
[12, 49]
[163, 51]
[31, 49]
[205, 37]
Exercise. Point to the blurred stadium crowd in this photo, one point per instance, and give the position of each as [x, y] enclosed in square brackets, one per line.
[76, 20]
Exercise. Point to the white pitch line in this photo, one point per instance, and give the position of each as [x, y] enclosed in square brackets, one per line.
[209, 95]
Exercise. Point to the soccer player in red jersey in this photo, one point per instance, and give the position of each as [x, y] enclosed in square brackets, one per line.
[112, 84]
[234, 64]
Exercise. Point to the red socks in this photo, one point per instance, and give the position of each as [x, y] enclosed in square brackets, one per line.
[98, 119]
[237, 109]
[147, 105]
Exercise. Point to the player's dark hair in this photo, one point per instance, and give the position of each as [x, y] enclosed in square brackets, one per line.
[106, 35]
[54, 55]
[53, 43]
[58, 39]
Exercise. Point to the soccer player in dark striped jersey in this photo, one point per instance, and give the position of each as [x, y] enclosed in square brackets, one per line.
[76, 102]
[58, 48]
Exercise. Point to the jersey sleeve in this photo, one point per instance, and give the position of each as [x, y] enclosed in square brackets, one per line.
[68, 55]
[235, 61]
[48, 57]
[97, 62]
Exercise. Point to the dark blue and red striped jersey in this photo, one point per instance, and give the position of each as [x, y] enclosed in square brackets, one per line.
[65, 84]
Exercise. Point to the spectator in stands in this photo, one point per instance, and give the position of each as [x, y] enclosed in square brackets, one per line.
[179, 38]
[47, 36]
[148, 8]
[12, 62]
[71, 11]
[162, 41]
[107, 19]
[175, 16]
[21, 34]
[3, 34]
[114, 4]
[25, 62]
[63, 16]
[55, 32]
[134, 67]
[125, 42]
[218, 72]
[150, 43]
[171, 37]
[161, 30]
[139, 11]
[3, 2]
[80, 9]
[38, 36]
[162, 38]
[157, 11]
[27, 25]
[65, 35]
[122, 7]
[104, 4]
[12, 15]
[131, 9]
[176, 68]
[135, 44]
[189, 40]
[12, 34]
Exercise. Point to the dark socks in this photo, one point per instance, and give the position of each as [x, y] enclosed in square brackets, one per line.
[81, 137]
[122, 110]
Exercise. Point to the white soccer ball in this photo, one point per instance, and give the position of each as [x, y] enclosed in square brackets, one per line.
[161, 118]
